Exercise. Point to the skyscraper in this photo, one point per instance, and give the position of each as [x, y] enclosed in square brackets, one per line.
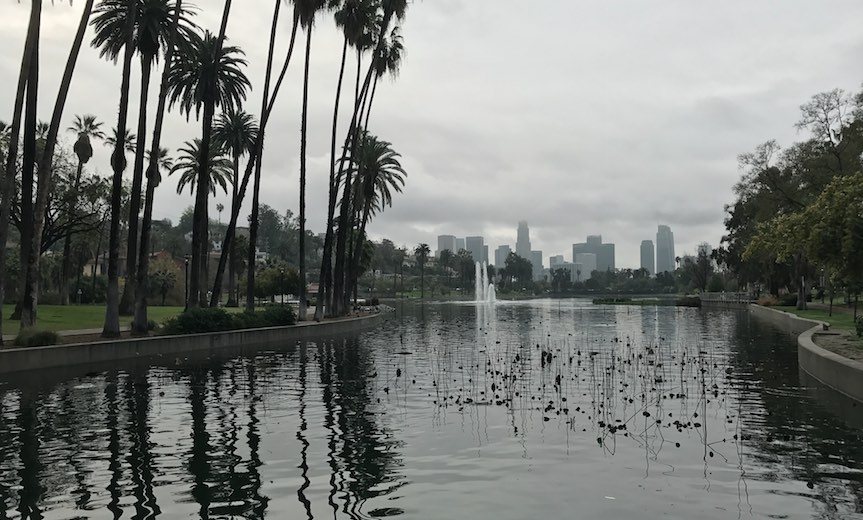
[555, 261]
[446, 242]
[586, 264]
[664, 250]
[476, 247]
[604, 252]
[500, 255]
[648, 259]
[536, 261]
[522, 244]
[459, 244]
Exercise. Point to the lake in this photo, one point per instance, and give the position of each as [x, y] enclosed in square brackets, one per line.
[537, 409]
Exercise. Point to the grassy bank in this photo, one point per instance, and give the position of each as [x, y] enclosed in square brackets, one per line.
[839, 320]
[80, 317]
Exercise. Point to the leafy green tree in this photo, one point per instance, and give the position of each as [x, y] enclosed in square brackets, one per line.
[518, 270]
[163, 277]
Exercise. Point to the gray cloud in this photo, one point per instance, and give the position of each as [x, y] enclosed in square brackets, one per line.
[580, 118]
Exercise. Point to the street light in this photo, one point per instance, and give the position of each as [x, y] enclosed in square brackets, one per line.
[282, 283]
[186, 283]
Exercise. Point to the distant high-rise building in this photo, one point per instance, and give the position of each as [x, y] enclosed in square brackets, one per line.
[586, 263]
[648, 258]
[554, 262]
[500, 255]
[485, 253]
[476, 247]
[604, 252]
[705, 248]
[536, 260]
[522, 244]
[459, 244]
[446, 242]
[664, 250]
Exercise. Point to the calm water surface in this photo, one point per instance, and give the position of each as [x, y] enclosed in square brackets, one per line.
[544, 409]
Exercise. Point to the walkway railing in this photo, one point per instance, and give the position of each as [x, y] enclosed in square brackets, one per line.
[726, 297]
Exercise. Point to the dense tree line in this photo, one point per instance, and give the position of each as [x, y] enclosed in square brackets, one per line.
[795, 223]
[204, 78]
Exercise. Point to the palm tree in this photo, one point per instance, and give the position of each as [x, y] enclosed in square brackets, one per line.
[86, 128]
[307, 9]
[353, 17]
[118, 160]
[189, 165]
[388, 59]
[422, 253]
[207, 75]
[8, 183]
[236, 133]
[266, 109]
[364, 40]
[157, 160]
[152, 29]
[221, 207]
[378, 173]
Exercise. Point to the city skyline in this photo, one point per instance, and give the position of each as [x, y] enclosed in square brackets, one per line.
[604, 252]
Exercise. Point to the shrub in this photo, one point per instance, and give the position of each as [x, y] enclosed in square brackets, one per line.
[768, 300]
[195, 321]
[375, 302]
[788, 300]
[36, 338]
[269, 316]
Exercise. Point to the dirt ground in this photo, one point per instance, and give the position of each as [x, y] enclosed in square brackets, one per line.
[843, 343]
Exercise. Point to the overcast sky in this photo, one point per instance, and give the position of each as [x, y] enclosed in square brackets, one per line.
[579, 117]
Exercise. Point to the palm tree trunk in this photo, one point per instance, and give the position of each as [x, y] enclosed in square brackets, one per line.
[232, 254]
[303, 132]
[342, 257]
[326, 277]
[46, 167]
[201, 228]
[7, 186]
[266, 107]
[254, 165]
[354, 266]
[139, 324]
[27, 306]
[66, 271]
[112, 307]
[371, 100]
[127, 302]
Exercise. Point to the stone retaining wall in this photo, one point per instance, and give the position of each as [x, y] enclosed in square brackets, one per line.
[832, 370]
[37, 358]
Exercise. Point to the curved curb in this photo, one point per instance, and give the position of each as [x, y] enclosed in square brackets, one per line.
[58, 356]
[828, 368]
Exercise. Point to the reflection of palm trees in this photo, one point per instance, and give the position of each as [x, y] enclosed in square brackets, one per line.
[199, 464]
[31, 488]
[140, 457]
[114, 465]
[301, 436]
[368, 453]
[259, 501]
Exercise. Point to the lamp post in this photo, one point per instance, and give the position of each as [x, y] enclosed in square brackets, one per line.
[186, 283]
[282, 284]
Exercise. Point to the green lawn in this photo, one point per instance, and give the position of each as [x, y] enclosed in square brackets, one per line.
[839, 321]
[78, 317]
